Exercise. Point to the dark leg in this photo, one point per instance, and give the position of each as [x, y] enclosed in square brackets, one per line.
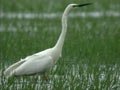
[45, 77]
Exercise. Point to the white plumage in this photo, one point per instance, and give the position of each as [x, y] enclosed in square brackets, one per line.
[41, 62]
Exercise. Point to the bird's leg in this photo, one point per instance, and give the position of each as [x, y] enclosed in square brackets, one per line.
[45, 77]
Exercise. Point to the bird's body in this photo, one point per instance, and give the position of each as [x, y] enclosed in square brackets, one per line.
[41, 62]
[35, 64]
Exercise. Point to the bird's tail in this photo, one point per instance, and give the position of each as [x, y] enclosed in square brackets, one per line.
[10, 70]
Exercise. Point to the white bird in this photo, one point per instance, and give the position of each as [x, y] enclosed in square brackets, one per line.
[41, 62]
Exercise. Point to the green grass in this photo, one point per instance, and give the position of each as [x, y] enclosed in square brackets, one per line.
[55, 6]
[91, 53]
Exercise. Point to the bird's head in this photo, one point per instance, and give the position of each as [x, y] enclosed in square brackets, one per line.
[72, 6]
[79, 5]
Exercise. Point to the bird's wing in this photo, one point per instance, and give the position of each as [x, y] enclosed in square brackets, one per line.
[8, 71]
[34, 64]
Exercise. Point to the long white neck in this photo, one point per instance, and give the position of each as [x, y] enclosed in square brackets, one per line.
[61, 39]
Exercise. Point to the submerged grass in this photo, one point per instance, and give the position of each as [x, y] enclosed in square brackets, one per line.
[91, 53]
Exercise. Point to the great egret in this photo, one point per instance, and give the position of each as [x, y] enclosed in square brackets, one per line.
[41, 62]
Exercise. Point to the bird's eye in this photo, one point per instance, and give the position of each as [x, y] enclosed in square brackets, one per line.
[75, 6]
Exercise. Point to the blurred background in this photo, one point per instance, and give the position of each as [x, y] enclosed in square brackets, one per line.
[91, 53]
